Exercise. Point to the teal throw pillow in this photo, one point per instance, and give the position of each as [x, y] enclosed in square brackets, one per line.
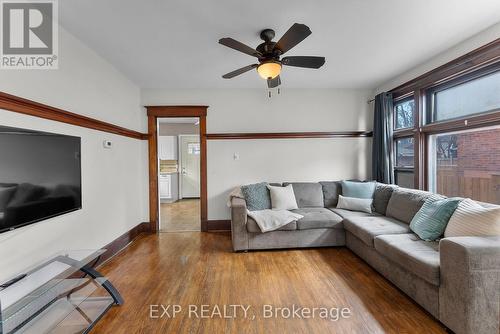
[358, 189]
[430, 221]
[257, 196]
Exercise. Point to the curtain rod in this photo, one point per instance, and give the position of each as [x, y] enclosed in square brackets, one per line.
[370, 101]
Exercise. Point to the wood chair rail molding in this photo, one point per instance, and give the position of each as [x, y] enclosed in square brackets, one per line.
[28, 107]
[289, 135]
[153, 113]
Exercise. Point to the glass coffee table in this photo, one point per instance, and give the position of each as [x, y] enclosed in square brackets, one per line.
[64, 294]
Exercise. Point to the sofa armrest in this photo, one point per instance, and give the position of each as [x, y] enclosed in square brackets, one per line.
[239, 232]
[470, 284]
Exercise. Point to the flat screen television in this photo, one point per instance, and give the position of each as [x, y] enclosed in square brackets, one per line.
[40, 176]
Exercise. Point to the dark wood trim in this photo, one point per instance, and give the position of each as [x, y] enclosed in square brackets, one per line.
[153, 113]
[403, 133]
[153, 173]
[117, 245]
[219, 225]
[289, 135]
[32, 108]
[177, 111]
[203, 173]
[464, 123]
[480, 57]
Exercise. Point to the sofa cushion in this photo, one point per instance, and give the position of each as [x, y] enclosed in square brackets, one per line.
[358, 189]
[257, 196]
[473, 219]
[317, 218]
[307, 194]
[431, 220]
[367, 228]
[254, 228]
[348, 213]
[331, 192]
[283, 198]
[405, 203]
[381, 197]
[355, 204]
[413, 254]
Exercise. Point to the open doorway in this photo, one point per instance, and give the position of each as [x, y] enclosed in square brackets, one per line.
[179, 174]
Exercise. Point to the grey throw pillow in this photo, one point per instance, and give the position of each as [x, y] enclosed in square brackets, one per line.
[257, 196]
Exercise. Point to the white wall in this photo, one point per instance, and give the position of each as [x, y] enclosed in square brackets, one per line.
[277, 160]
[114, 181]
[476, 41]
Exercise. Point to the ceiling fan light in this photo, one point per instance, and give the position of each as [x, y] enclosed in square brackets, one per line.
[269, 70]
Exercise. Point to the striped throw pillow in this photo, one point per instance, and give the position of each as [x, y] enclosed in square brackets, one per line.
[472, 219]
[430, 221]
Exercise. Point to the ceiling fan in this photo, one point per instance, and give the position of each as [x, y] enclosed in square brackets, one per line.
[269, 53]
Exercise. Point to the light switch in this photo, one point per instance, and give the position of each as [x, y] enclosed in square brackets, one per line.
[236, 156]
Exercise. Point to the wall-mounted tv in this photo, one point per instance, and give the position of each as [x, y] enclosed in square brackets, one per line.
[40, 176]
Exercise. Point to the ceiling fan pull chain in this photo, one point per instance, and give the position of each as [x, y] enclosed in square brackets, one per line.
[269, 93]
[279, 91]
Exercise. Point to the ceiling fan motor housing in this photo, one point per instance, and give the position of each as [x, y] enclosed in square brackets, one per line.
[267, 48]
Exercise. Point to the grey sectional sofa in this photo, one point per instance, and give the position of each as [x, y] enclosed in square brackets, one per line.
[457, 279]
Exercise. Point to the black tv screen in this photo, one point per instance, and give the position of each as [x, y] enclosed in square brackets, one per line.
[40, 176]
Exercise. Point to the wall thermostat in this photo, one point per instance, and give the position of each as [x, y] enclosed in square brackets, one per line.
[107, 144]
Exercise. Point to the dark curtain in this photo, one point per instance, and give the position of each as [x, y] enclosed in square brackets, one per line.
[382, 164]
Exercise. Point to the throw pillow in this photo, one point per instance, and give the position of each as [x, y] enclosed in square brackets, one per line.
[473, 219]
[283, 198]
[257, 196]
[355, 204]
[430, 221]
[358, 189]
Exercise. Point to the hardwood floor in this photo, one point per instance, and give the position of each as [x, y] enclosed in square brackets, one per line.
[200, 268]
[183, 215]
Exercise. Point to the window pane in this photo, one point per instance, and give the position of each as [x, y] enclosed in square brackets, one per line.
[405, 149]
[473, 97]
[404, 178]
[404, 112]
[466, 164]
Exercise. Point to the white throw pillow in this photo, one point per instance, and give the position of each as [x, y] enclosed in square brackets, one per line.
[283, 198]
[473, 219]
[355, 204]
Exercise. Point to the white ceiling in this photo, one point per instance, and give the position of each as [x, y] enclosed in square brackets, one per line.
[173, 44]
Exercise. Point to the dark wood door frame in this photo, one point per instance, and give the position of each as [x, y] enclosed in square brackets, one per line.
[155, 112]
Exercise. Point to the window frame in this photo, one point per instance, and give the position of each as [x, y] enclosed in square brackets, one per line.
[477, 63]
[430, 93]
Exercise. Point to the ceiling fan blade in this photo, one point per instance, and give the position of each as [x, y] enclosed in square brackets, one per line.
[239, 71]
[303, 61]
[296, 34]
[272, 83]
[234, 44]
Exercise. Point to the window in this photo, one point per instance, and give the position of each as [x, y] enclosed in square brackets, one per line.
[466, 164]
[193, 148]
[404, 147]
[404, 162]
[404, 114]
[405, 152]
[447, 128]
[479, 95]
